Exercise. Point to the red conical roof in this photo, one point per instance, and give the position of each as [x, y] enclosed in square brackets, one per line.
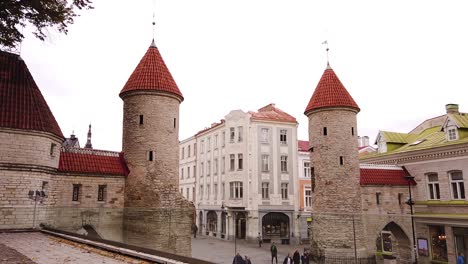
[22, 105]
[330, 92]
[152, 74]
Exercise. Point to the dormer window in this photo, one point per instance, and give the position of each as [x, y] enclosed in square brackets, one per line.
[452, 134]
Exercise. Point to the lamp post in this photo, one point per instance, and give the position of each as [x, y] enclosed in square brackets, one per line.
[410, 202]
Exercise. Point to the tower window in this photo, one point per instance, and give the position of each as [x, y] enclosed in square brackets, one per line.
[352, 131]
[341, 160]
[101, 193]
[52, 149]
[377, 197]
[150, 155]
[175, 120]
[141, 119]
[325, 131]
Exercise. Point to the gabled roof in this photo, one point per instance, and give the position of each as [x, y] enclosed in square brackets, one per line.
[373, 174]
[90, 161]
[395, 137]
[303, 145]
[330, 92]
[271, 113]
[461, 119]
[152, 74]
[22, 105]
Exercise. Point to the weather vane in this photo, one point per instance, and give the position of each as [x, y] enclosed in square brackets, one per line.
[154, 23]
[327, 49]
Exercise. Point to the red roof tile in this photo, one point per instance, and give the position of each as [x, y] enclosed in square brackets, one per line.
[330, 92]
[22, 105]
[92, 162]
[152, 74]
[383, 175]
[303, 145]
[272, 113]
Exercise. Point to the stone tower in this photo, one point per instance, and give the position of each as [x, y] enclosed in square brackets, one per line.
[336, 198]
[150, 144]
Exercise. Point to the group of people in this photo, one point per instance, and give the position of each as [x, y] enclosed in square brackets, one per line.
[295, 259]
[239, 260]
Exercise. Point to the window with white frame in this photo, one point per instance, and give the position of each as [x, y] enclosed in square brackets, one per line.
[182, 153]
[284, 163]
[240, 161]
[188, 151]
[188, 172]
[208, 191]
[433, 186]
[284, 191]
[202, 146]
[201, 169]
[201, 192]
[265, 190]
[307, 197]
[215, 169]
[239, 134]
[215, 143]
[452, 134]
[208, 168]
[265, 134]
[236, 191]
[457, 185]
[223, 139]
[307, 169]
[215, 190]
[223, 164]
[232, 134]
[232, 163]
[208, 144]
[265, 162]
[283, 136]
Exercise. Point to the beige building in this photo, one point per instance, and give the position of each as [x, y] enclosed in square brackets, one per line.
[246, 177]
[436, 154]
[188, 168]
[116, 195]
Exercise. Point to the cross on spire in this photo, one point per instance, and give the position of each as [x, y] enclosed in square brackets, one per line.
[327, 49]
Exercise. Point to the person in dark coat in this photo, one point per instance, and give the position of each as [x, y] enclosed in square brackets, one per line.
[247, 260]
[288, 259]
[238, 259]
[305, 258]
[297, 257]
[274, 253]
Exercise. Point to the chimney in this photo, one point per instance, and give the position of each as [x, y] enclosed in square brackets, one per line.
[451, 108]
[359, 141]
[365, 141]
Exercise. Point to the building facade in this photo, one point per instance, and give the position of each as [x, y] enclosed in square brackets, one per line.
[188, 168]
[247, 176]
[436, 154]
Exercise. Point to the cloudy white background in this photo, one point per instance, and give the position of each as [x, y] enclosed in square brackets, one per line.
[401, 61]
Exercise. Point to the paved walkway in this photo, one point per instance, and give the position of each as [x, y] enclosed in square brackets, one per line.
[45, 249]
[221, 251]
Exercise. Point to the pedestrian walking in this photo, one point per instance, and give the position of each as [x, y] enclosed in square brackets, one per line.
[260, 240]
[297, 257]
[460, 258]
[238, 259]
[305, 257]
[195, 230]
[247, 260]
[274, 253]
[288, 259]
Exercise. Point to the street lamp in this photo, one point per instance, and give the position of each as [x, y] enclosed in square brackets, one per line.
[410, 202]
[36, 196]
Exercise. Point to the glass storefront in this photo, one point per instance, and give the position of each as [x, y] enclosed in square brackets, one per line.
[438, 243]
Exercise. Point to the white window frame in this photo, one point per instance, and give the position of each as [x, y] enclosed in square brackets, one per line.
[283, 136]
[265, 135]
[240, 132]
[232, 162]
[265, 190]
[236, 190]
[433, 186]
[306, 165]
[452, 134]
[284, 191]
[459, 185]
[240, 161]
[284, 163]
[307, 198]
[232, 134]
[265, 163]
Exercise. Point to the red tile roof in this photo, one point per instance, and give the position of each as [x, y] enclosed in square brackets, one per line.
[152, 74]
[22, 105]
[91, 161]
[383, 175]
[303, 145]
[330, 92]
[272, 113]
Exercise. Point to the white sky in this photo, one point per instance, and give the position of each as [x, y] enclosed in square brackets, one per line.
[401, 61]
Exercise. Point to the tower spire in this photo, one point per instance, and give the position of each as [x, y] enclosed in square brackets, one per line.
[327, 49]
[88, 142]
[154, 23]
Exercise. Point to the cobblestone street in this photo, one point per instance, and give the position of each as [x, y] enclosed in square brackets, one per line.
[220, 251]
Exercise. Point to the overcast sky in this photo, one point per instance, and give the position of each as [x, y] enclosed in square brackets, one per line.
[401, 61]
